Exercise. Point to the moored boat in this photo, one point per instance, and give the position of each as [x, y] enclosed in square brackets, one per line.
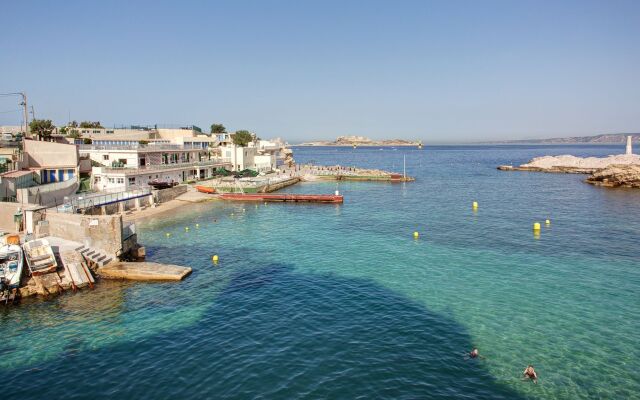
[205, 189]
[40, 257]
[11, 262]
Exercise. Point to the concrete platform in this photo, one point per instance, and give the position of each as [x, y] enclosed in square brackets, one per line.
[144, 271]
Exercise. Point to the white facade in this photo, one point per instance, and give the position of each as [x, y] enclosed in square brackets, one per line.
[249, 158]
[126, 167]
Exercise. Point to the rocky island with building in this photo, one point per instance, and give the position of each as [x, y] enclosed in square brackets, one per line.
[621, 170]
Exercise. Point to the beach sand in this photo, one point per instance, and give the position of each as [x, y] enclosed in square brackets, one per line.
[185, 199]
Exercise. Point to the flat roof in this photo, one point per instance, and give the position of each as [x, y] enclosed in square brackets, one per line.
[15, 174]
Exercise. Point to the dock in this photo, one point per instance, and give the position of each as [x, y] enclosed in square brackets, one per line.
[144, 271]
[284, 197]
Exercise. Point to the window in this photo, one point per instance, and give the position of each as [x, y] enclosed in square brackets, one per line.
[96, 131]
[132, 181]
[105, 157]
[121, 180]
[97, 180]
[111, 180]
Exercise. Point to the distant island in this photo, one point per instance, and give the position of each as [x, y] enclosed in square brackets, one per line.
[362, 141]
[605, 138]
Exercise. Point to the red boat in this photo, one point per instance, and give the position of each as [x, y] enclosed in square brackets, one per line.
[205, 189]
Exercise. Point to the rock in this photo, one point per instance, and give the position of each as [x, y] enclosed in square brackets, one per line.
[617, 175]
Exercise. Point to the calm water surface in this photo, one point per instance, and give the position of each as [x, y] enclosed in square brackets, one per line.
[325, 301]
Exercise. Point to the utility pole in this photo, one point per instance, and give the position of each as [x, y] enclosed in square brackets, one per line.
[33, 113]
[26, 114]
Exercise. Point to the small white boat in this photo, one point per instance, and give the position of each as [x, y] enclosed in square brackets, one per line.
[40, 257]
[10, 271]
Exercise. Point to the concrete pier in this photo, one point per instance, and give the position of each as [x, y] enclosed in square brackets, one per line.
[629, 146]
[144, 271]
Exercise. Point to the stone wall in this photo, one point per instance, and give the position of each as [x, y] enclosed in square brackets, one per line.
[164, 195]
[50, 194]
[100, 232]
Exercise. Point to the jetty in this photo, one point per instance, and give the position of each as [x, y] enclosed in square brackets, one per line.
[284, 197]
[310, 172]
[144, 271]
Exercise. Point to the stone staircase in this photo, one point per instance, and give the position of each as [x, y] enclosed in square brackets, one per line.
[95, 256]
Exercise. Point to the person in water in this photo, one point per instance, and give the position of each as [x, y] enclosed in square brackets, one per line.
[474, 353]
[530, 373]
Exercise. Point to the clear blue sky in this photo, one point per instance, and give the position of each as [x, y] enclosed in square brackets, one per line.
[446, 71]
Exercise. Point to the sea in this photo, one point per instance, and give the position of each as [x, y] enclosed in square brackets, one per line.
[325, 301]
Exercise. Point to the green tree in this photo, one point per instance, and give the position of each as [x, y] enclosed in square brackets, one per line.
[87, 141]
[73, 124]
[73, 133]
[218, 128]
[42, 127]
[242, 138]
[89, 124]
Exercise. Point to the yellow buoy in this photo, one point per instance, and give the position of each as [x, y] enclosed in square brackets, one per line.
[197, 225]
[416, 235]
[474, 205]
[168, 234]
[214, 258]
[536, 226]
[186, 228]
[548, 222]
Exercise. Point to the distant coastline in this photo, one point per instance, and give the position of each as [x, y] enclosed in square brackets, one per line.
[350, 141]
[614, 138]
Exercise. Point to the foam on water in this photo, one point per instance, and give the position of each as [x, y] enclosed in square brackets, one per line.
[326, 301]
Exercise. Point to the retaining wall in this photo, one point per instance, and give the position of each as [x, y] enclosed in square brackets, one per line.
[164, 195]
[101, 232]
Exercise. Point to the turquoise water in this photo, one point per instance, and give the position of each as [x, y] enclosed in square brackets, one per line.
[326, 301]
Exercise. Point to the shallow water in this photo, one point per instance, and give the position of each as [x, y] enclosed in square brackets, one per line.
[339, 301]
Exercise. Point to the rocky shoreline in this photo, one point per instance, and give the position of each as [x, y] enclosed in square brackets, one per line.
[614, 171]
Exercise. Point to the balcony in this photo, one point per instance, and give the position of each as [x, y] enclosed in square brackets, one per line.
[163, 167]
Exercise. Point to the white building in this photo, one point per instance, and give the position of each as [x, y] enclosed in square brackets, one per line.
[249, 157]
[124, 167]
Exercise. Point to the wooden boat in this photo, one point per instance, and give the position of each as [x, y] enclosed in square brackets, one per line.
[11, 262]
[40, 257]
[205, 189]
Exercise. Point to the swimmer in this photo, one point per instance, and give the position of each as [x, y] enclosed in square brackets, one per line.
[474, 353]
[530, 373]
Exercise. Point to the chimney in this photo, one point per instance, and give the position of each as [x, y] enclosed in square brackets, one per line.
[629, 149]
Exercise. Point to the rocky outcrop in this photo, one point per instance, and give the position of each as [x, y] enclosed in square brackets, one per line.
[568, 164]
[617, 175]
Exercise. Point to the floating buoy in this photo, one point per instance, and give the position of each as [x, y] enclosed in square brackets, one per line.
[186, 228]
[214, 258]
[548, 222]
[474, 205]
[197, 225]
[536, 226]
[416, 235]
[168, 234]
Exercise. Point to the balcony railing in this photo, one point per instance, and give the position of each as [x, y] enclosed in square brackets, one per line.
[162, 167]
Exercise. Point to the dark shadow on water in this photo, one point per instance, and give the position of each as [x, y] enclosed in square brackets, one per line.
[275, 333]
